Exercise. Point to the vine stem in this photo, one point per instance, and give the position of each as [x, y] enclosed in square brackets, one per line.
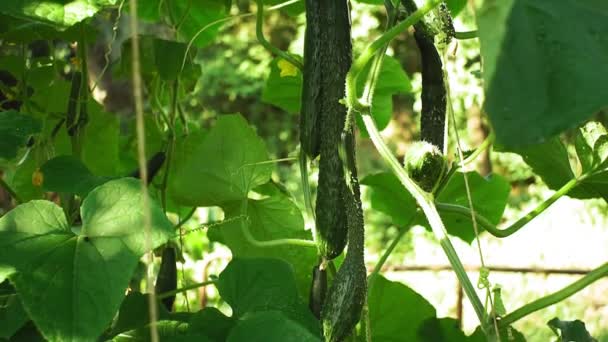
[425, 201]
[259, 33]
[390, 248]
[466, 35]
[555, 297]
[223, 20]
[270, 243]
[10, 191]
[167, 294]
[143, 170]
[484, 145]
[374, 47]
[516, 226]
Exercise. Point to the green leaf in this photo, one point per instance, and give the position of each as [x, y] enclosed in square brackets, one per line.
[220, 166]
[63, 13]
[12, 314]
[71, 281]
[284, 91]
[100, 148]
[550, 161]
[270, 326]
[396, 312]
[24, 30]
[591, 142]
[506, 334]
[442, 330]
[456, 6]
[541, 75]
[168, 57]
[15, 130]
[392, 80]
[489, 199]
[293, 9]
[175, 331]
[20, 179]
[212, 323]
[134, 313]
[271, 218]
[197, 18]
[256, 285]
[388, 196]
[68, 175]
[574, 331]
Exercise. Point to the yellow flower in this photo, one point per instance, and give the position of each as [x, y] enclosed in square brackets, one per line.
[37, 178]
[287, 69]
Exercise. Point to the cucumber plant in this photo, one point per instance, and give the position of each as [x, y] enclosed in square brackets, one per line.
[78, 237]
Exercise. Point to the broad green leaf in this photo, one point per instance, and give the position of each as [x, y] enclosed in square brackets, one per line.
[168, 330]
[68, 175]
[456, 6]
[390, 197]
[442, 330]
[270, 326]
[392, 80]
[15, 129]
[283, 91]
[220, 166]
[63, 13]
[168, 57]
[548, 160]
[542, 76]
[257, 285]
[71, 280]
[20, 179]
[23, 30]
[212, 323]
[396, 312]
[506, 334]
[134, 313]
[489, 199]
[100, 149]
[12, 314]
[269, 219]
[574, 331]
[198, 18]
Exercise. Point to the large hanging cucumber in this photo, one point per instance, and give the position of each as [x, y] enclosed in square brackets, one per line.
[327, 59]
[346, 296]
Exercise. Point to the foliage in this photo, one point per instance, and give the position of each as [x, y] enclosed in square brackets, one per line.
[80, 222]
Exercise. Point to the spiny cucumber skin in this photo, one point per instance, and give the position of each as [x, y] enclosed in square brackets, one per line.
[333, 57]
[346, 296]
[425, 164]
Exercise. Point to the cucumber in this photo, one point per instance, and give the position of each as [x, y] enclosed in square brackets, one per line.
[425, 164]
[318, 290]
[346, 297]
[167, 276]
[329, 50]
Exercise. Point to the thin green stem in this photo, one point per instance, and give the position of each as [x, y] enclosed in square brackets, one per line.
[167, 294]
[425, 201]
[484, 145]
[391, 247]
[185, 218]
[270, 243]
[555, 297]
[223, 20]
[259, 32]
[374, 47]
[10, 191]
[516, 226]
[466, 35]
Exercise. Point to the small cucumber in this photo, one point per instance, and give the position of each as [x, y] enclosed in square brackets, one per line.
[425, 164]
[167, 276]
